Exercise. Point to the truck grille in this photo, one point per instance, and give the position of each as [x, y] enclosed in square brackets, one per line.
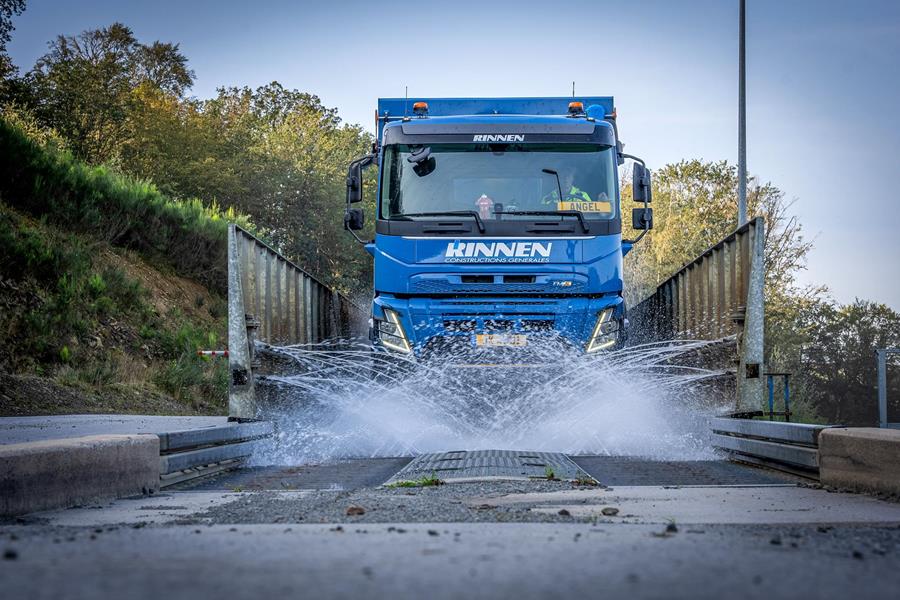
[452, 325]
[510, 286]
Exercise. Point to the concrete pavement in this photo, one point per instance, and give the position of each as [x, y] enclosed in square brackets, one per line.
[538, 560]
[710, 541]
[16, 430]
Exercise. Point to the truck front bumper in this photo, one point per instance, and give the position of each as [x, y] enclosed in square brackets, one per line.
[503, 330]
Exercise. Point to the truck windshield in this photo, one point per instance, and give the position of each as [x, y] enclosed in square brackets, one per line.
[499, 181]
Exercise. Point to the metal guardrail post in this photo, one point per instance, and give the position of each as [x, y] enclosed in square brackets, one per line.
[241, 393]
[881, 355]
[749, 378]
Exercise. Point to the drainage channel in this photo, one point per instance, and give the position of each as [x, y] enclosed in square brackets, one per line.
[459, 467]
[485, 465]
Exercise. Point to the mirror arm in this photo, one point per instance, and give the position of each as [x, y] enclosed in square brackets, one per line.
[634, 158]
[353, 233]
[638, 238]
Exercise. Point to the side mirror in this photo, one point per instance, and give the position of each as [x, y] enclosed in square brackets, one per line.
[642, 218]
[640, 184]
[354, 183]
[354, 219]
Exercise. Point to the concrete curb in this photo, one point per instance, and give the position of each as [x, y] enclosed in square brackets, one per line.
[863, 458]
[67, 472]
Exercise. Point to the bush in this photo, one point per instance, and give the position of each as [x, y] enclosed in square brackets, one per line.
[194, 379]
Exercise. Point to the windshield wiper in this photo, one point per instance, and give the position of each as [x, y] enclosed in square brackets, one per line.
[449, 213]
[565, 213]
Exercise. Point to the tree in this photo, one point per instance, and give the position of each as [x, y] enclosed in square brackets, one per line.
[694, 206]
[274, 153]
[837, 363]
[8, 9]
[297, 152]
[84, 85]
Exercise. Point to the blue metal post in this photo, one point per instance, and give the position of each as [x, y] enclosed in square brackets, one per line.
[771, 384]
[787, 397]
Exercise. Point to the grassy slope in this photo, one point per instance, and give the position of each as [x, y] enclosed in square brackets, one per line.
[88, 327]
[107, 289]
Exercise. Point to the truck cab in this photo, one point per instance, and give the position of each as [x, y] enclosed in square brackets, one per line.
[498, 225]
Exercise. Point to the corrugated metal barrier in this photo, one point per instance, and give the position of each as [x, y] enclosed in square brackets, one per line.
[272, 300]
[717, 296]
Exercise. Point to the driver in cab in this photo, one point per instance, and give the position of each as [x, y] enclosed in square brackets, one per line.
[574, 198]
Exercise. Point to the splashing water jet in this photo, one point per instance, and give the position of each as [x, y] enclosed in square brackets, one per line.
[339, 403]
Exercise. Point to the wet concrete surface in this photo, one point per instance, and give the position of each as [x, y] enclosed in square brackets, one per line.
[15, 430]
[630, 470]
[343, 475]
[608, 470]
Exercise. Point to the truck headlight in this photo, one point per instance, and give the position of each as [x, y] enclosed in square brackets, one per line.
[605, 333]
[390, 332]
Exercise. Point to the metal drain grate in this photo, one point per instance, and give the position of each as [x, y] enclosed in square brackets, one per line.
[463, 465]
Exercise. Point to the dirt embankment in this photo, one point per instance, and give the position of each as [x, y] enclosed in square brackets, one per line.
[89, 328]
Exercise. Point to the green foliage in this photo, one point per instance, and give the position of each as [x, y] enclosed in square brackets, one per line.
[49, 183]
[828, 348]
[83, 86]
[25, 120]
[191, 378]
[276, 154]
[179, 339]
[96, 285]
[273, 153]
[835, 359]
[8, 9]
[423, 481]
[77, 304]
[694, 206]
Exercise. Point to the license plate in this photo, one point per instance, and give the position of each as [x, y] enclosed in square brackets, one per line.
[501, 339]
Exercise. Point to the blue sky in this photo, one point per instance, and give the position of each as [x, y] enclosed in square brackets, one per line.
[823, 83]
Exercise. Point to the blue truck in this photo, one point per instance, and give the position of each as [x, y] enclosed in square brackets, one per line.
[498, 224]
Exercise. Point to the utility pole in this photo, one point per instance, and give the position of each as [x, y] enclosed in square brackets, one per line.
[742, 119]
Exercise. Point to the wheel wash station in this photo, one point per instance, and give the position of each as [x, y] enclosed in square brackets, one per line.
[498, 229]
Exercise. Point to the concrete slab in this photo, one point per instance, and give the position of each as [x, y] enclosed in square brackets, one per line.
[705, 505]
[439, 560]
[16, 430]
[632, 470]
[58, 473]
[159, 509]
[350, 474]
[863, 458]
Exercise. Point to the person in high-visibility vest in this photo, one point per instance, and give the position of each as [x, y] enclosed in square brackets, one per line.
[574, 198]
[570, 192]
